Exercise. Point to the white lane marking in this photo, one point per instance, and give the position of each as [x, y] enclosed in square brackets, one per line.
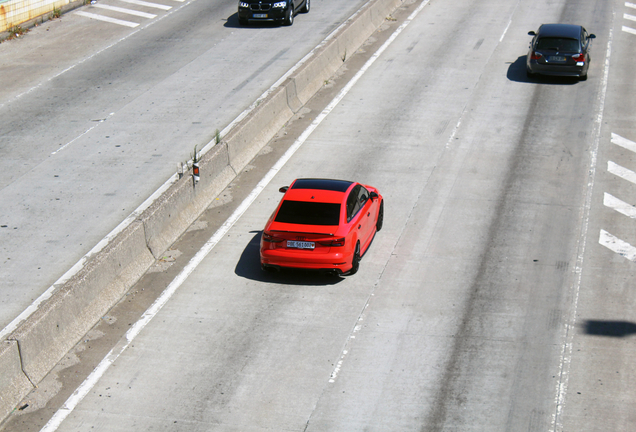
[617, 245]
[624, 142]
[629, 17]
[78, 266]
[629, 30]
[619, 205]
[54, 423]
[569, 328]
[631, 5]
[622, 172]
[124, 10]
[107, 19]
[148, 4]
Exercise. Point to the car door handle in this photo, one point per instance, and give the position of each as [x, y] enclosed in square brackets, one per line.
[359, 226]
[369, 214]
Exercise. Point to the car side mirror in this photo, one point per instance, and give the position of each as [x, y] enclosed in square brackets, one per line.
[532, 33]
[373, 195]
[592, 36]
[283, 189]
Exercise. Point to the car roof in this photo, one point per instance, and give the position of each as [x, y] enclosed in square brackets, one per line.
[322, 184]
[571, 31]
[318, 190]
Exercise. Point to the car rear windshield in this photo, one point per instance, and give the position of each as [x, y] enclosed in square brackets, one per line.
[309, 213]
[558, 44]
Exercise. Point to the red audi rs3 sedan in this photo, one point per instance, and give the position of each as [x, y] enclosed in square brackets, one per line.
[322, 224]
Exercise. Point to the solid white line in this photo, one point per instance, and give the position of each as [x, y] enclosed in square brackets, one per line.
[148, 4]
[124, 10]
[629, 17]
[631, 5]
[629, 30]
[79, 394]
[617, 245]
[624, 142]
[624, 173]
[107, 19]
[569, 328]
[619, 205]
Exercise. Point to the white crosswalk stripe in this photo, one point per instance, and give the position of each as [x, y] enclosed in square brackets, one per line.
[107, 19]
[148, 4]
[122, 10]
[125, 10]
[619, 205]
[606, 239]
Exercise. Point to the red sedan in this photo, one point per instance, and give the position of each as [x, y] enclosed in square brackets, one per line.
[322, 225]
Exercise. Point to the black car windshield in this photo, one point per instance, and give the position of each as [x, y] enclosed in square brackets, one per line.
[558, 44]
[309, 213]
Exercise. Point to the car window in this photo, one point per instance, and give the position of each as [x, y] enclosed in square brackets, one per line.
[558, 44]
[363, 196]
[309, 213]
[353, 202]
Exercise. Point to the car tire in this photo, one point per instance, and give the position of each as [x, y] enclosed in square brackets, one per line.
[380, 221]
[305, 8]
[583, 77]
[242, 21]
[355, 261]
[289, 18]
[530, 74]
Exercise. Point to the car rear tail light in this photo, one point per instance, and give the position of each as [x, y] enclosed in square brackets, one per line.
[271, 239]
[336, 242]
[535, 55]
[578, 58]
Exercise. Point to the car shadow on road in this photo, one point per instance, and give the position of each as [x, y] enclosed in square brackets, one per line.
[249, 267]
[517, 73]
[233, 22]
[617, 329]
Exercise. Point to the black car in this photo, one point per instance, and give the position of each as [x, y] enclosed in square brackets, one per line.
[559, 50]
[270, 10]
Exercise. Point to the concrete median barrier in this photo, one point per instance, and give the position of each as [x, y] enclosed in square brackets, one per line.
[173, 212]
[39, 342]
[72, 310]
[13, 383]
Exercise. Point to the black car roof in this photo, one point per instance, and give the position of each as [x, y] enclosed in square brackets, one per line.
[570, 31]
[322, 184]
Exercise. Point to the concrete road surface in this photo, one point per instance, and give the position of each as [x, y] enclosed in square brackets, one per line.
[95, 116]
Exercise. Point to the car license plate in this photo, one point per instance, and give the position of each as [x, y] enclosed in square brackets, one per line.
[556, 59]
[300, 244]
[260, 15]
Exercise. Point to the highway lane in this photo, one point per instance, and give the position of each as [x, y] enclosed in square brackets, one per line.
[96, 116]
[486, 302]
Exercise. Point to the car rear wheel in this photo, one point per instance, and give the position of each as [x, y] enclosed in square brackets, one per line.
[355, 262]
[583, 77]
[305, 8]
[380, 221]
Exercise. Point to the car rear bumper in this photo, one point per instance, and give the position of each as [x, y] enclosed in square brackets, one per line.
[557, 70]
[281, 258]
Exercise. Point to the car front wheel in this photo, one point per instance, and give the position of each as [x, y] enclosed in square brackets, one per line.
[289, 18]
[305, 8]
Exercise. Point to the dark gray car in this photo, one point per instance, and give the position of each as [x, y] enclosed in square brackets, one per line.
[559, 50]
